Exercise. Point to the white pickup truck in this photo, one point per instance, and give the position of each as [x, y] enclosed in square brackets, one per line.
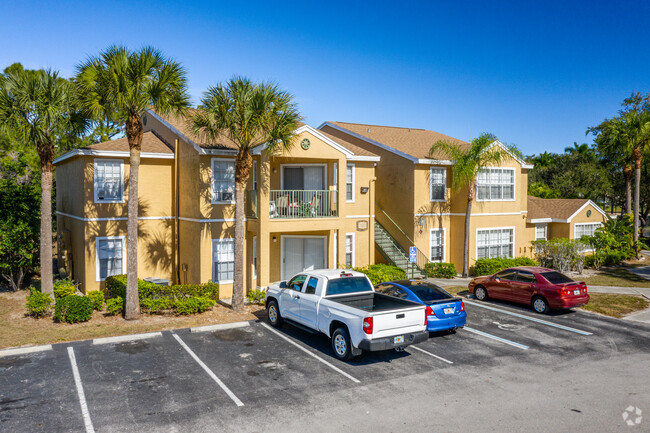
[343, 305]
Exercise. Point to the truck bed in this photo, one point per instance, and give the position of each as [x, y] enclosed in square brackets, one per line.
[375, 302]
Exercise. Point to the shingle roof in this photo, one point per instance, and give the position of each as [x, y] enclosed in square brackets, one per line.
[561, 208]
[182, 124]
[150, 144]
[414, 142]
[356, 150]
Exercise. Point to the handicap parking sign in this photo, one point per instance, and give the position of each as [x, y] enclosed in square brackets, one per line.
[412, 254]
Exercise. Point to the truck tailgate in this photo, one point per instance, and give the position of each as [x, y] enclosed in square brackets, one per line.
[398, 321]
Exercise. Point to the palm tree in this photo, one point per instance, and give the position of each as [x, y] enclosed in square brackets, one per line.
[39, 107]
[581, 150]
[120, 85]
[250, 114]
[467, 163]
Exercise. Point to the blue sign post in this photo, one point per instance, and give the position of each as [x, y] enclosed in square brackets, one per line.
[412, 259]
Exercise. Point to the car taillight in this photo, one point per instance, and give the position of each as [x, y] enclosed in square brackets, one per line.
[462, 306]
[429, 311]
[565, 292]
[367, 325]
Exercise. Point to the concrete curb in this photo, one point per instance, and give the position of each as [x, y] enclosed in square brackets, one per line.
[125, 338]
[24, 350]
[220, 327]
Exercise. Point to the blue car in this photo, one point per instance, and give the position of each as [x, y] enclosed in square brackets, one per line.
[444, 311]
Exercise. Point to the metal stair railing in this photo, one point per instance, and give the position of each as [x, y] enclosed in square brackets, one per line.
[393, 252]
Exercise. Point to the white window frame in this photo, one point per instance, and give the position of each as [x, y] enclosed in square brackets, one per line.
[545, 227]
[212, 192]
[514, 184]
[215, 275]
[514, 243]
[109, 238]
[444, 182]
[335, 180]
[444, 244]
[254, 175]
[254, 257]
[575, 236]
[352, 252]
[108, 200]
[335, 245]
[352, 166]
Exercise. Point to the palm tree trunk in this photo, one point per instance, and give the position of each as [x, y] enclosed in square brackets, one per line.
[627, 174]
[47, 277]
[134, 135]
[243, 166]
[637, 197]
[468, 214]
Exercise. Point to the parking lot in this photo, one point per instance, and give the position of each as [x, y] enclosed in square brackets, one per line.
[508, 370]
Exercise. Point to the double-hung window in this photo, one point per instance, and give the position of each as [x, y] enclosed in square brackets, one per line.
[111, 254]
[223, 260]
[254, 175]
[491, 243]
[109, 181]
[494, 184]
[349, 183]
[437, 245]
[438, 179]
[349, 250]
[223, 180]
[585, 229]
[254, 256]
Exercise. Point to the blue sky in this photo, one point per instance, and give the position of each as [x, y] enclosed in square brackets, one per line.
[536, 74]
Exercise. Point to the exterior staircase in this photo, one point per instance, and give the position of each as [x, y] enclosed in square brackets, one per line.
[394, 254]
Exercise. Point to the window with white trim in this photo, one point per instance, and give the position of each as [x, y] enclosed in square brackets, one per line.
[223, 260]
[349, 250]
[438, 180]
[540, 232]
[109, 181]
[349, 182]
[111, 253]
[254, 175]
[494, 184]
[491, 243]
[437, 245]
[585, 229]
[223, 180]
[254, 256]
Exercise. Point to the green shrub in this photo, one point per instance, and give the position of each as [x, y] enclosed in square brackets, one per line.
[193, 305]
[561, 254]
[256, 297]
[98, 299]
[73, 309]
[180, 291]
[491, 266]
[63, 288]
[115, 305]
[380, 273]
[441, 270]
[38, 303]
[115, 286]
[155, 306]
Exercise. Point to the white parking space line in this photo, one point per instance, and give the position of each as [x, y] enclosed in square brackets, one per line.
[126, 338]
[494, 337]
[532, 319]
[431, 354]
[214, 377]
[333, 367]
[24, 350]
[80, 391]
[220, 327]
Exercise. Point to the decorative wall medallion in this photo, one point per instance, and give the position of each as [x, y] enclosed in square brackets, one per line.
[362, 225]
[305, 143]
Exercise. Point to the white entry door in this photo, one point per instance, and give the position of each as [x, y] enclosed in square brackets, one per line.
[302, 254]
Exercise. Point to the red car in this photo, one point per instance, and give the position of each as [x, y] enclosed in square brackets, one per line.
[541, 288]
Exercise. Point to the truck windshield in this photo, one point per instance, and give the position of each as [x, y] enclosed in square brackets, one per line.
[341, 286]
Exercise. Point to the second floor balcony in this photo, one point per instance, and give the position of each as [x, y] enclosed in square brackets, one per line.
[293, 204]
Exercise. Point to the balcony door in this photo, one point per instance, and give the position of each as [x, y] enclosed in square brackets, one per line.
[302, 253]
[301, 178]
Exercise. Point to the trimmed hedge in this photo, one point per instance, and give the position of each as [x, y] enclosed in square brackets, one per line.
[116, 286]
[381, 273]
[98, 299]
[193, 305]
[38, 303]
[73, 309]
[440, 270]
[63, 288]
[115, 306]
[491, 266]
[256, 296]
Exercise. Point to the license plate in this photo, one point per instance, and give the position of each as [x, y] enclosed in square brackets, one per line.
[398, 339]
[576, 292]
[449, 311]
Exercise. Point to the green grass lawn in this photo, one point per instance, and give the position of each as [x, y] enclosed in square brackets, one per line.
[615, 305]
[454, 290]
[617, 277]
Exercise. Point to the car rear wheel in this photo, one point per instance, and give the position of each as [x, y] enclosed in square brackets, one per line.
[273, 313]
[480, 293]
[341, 344]
[540, 305]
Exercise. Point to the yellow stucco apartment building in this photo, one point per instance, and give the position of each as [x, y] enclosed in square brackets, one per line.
[345, 195]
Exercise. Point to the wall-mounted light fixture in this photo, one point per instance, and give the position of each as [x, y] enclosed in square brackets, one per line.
[364, 190]
[275, 170]
[421, 221]
[275, 239]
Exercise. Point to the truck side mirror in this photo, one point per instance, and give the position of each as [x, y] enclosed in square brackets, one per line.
[283, 284]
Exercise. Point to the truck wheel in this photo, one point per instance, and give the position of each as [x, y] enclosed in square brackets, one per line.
[341, 344]
[273, 313]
